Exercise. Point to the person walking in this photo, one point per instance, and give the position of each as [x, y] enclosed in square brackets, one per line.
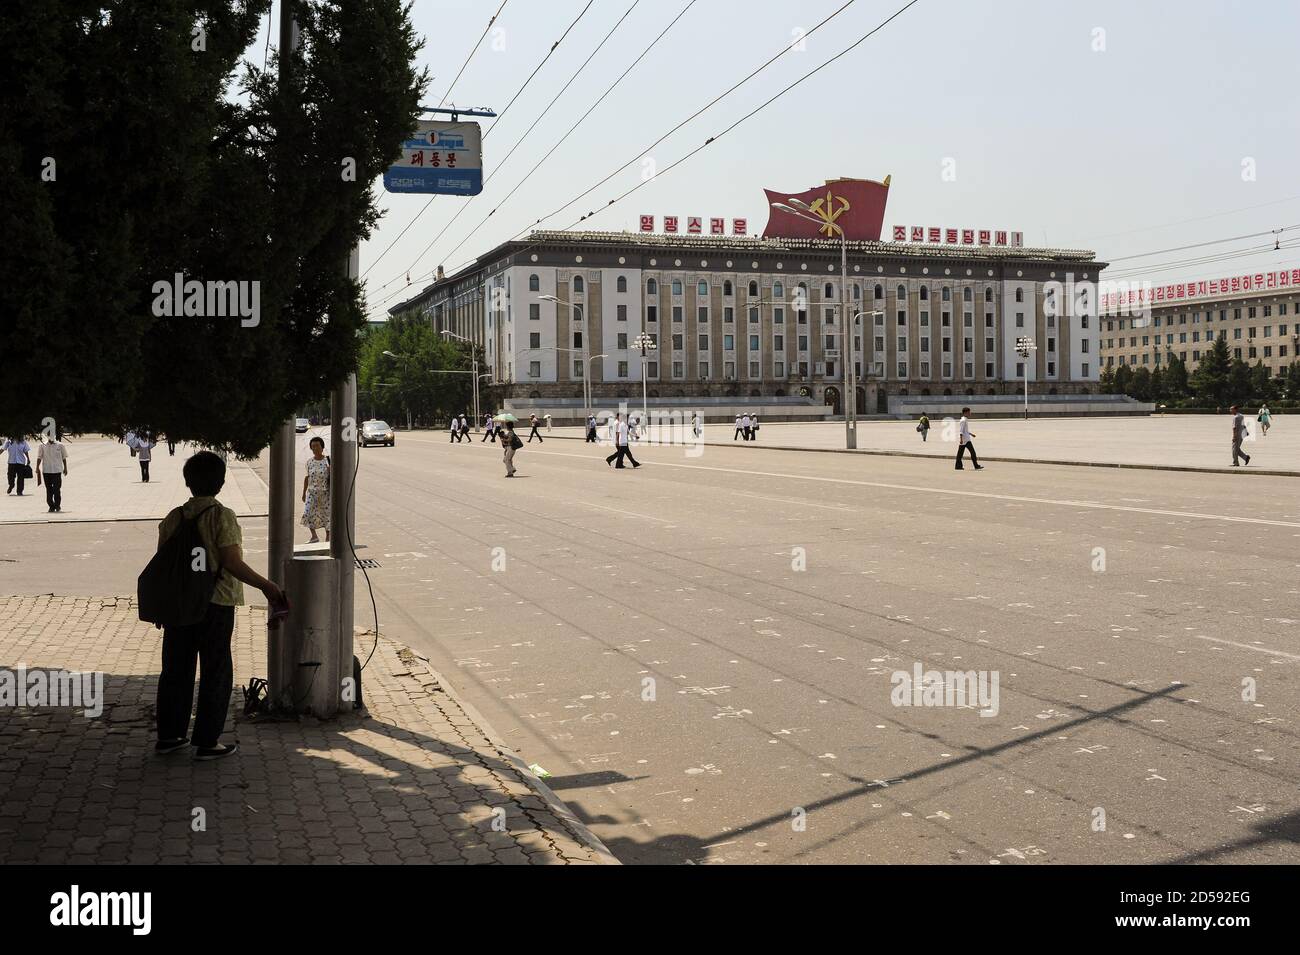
[510, 443]
[591, 429]
[20, 463]
[316, 491]
[532, 418]
[171, 446]
[489, 430]
[1238, 434]
[923, 427]
[208, 641]
[454, 431]
[144, 454]
[464, 426]
[51, 466]
[753, 427]
[964, 436]
[621, 448]
[695, 424]
[740, 428]
[1265, 419]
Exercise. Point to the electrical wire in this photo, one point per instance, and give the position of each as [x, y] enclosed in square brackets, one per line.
[763, 66]
[1198, 245]
[486, 133]
[472, 52]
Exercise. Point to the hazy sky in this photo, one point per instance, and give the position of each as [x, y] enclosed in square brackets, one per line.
[1109, 149]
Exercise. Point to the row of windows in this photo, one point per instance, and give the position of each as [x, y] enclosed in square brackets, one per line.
[1252, 311]
[1147, 359]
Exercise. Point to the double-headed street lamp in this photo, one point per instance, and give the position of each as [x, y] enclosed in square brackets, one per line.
[575, 308]
[474, 355]
[1024, 348]
[646, 343]
[403, 359]
[801, 210]
[586, 368]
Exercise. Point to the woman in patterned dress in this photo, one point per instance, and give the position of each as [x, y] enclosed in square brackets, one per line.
[316, 491]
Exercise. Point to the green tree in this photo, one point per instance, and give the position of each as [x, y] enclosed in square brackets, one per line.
[136, 143]
[1106, 381]
[1140, 386]
[1176, 378]
[1123, 379]
[1261, 384]
[1239, 382]
[417, 379]
[1157, 384]
[1210, 381]
[1293, 381]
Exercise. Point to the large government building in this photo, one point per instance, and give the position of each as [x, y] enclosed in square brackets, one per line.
[741, 315]
[1258, 315]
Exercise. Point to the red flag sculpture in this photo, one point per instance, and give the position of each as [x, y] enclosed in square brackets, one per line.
[855, 205]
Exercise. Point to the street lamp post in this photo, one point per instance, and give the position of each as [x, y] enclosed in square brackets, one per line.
[474, 357]
[647, 344]
[1024, 348]
[575, 309]
[403, 359]
[801, 209]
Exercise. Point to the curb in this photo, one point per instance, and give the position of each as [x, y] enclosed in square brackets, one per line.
[555, 804]
[983, 457]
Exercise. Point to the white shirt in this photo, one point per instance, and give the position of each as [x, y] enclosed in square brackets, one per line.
[622, 433]
[964, 436]
[52, 456]
[18, 451]
[737, 421]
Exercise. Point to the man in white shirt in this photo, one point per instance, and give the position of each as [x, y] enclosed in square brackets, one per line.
[739, 429]
[464, 428]
[1238, 433]
[20, 458]
[51, 465]
[964, 436]
[621, 449]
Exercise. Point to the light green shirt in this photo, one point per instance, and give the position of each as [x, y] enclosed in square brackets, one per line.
[218, 528]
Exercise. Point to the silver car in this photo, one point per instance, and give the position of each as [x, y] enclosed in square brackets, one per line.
[377, 432]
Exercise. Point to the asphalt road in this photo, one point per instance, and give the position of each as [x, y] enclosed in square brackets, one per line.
[701, 652]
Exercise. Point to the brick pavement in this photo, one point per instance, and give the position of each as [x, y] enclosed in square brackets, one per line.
[413, 778]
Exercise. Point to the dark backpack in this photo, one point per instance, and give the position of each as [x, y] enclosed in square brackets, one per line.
[170, 592]
[515, 441]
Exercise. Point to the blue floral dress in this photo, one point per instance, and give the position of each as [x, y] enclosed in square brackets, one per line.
[316, 513]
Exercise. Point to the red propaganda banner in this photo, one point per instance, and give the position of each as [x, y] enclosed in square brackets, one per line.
[855, 205]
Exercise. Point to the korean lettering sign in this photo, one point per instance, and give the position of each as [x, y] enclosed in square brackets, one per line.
[442, 157]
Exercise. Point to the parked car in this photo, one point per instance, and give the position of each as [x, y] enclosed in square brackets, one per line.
[301, 425]
[377, 432]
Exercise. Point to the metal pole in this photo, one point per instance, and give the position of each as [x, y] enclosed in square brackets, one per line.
[476, 409]
[343, 507]
[850, 374]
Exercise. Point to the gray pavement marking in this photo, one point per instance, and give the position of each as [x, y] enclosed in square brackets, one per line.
[1247, 646]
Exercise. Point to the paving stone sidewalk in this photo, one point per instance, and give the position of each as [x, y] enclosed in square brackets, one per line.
[413, 778]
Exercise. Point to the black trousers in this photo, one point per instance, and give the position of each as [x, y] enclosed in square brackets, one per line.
[171, 448]
[16, 474]
[144, 471]
[591, 436]
[53, 489]
[488, 436]
[622, 451]
[208, 641]
[961, 449]
[535, 432]
[738, 433]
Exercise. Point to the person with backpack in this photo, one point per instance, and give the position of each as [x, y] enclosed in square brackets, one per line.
[489, 430]
[316, 491]
[534, 433]
[591, 429]
[923, 427]
[511, 443]
[52, 466]
[191, 588]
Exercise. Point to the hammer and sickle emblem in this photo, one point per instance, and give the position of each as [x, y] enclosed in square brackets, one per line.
[825, 208]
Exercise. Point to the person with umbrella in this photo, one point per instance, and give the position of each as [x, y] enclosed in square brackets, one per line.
[510, 442]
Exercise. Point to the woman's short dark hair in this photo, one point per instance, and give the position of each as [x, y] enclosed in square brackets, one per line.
[317, 440]
[205, 474]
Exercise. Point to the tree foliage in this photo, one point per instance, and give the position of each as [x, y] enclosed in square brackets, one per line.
[431, 378]
[137, 143]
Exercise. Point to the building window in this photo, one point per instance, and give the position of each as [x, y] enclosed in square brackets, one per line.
[828, 292]
[622, 313]
[779, 369]
[966, 294]
[925, 369]
[1051, 369]
[828, 315]
[753, 289]
[577, 284]
[988, 369]
[1084, 369]
[878, 292]
[678, 371]
[902, 369]
[729, 370]
[803, 342]
[753, 343]
[988, 319]
[778, 290]
[988, 344]
[534, 339]
[753, 315]
[947, 369]
[534, 369]
[533, 284]
[702, 288]
[577, 368]
[1020, 319]
[753, 370]
[880, 343]
[679, 341]
[1020, 295]
[677, 286]
[621, 284]
[925, 343]
[703, 342]
[622, 340]
[652, 369]
[702, 314]
[652, 313]
[988, 295]
[534, 312]
[577, 339]
[728, 342]
[902, 343]
[925, 294]
[727, 289]
[651, 287]
[968, 320]
[622, 369]
[728, 314]
[1020, 369]
[925, 319]
[677, 313]
[968, 370]
[968, 345]
[778, 342]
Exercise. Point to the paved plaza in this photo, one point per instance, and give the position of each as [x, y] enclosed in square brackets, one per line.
[705, 655]
[1181, 441]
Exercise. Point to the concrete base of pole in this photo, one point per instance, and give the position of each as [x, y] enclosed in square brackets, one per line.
[304, 674]
[343, 507]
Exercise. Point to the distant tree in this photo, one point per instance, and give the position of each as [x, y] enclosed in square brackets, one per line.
[1239, 382]
[1123, 379]
[137, 143]
[1140, 386]
[411, 381]
[1106, 381]
[1157, 384]
[1261, 383]
[1210, 381]
[1176, 378]
[1293, 381]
